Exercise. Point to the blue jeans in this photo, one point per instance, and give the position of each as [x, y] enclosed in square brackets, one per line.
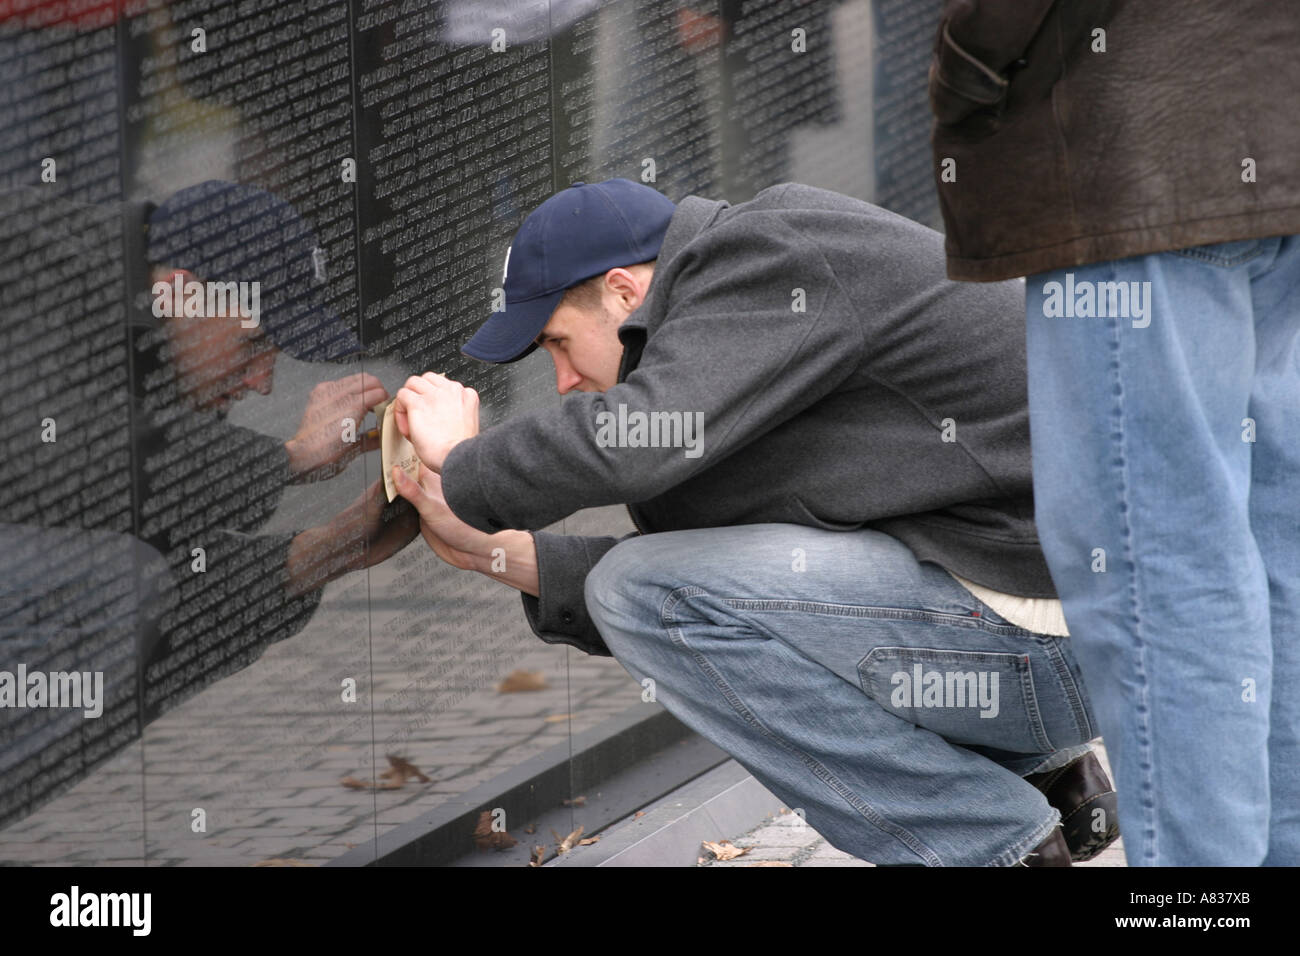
[798, 651]
[1167, 495]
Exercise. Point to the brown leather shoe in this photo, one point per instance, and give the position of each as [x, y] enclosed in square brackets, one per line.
[1083, 794]
[1051, 852]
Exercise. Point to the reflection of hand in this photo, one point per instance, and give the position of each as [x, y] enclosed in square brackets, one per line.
[451, 539]
[435, 414]
[698, 32]
[361, 525]
[318, 449]
[357, 537]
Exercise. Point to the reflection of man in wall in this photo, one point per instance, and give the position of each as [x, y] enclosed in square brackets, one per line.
[249, 253]
[825, 446]
[129, 545]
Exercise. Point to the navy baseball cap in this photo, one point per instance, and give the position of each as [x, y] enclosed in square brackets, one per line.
[580, 232]
[231, 232]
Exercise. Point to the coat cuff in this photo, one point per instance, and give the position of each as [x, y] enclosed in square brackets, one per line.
[559, 614]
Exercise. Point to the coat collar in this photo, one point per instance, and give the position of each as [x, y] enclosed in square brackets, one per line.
[693, 215]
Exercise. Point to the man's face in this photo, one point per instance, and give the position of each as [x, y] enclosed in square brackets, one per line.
[583, 343]
[217, 360]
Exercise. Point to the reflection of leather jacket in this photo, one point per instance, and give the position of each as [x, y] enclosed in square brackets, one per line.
[1065, 154]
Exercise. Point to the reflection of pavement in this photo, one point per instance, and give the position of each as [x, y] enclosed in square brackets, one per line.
[784, 840]
[261, 753]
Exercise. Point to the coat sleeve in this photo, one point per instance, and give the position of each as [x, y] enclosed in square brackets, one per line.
[755, 330]
[558, 615]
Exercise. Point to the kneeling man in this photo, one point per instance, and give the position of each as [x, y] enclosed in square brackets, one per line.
[825, 446]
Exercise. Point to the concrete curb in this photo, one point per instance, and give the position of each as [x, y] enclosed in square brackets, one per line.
[717, 805]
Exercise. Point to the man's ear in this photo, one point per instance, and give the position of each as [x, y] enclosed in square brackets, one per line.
[626, 286]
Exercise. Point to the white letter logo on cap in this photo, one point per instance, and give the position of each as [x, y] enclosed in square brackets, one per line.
[505, 267]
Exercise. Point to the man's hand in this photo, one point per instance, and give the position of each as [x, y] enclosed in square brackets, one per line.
[451, 539]
[435, 414]
[318, 449]
[357, 537]
[507, 556]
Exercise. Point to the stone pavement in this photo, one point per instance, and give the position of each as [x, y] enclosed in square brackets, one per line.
[784, 839]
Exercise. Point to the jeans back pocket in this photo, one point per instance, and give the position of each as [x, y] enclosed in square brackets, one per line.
[967, 697]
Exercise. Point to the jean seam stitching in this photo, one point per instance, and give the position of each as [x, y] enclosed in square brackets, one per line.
[867, 610]
[1031, 704]
[1035, 839]
[1212, 259]
[1071, 689]
[822, 773]
[1141, 731]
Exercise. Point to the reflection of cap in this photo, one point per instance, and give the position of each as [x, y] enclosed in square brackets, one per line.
[229, 232]
[578, 233]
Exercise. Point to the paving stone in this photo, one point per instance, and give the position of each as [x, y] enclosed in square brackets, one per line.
[779, 835]
[763, 853]
[850, 861]
[824, 851]
[742, 861]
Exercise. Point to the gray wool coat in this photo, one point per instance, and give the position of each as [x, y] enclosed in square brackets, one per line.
[841, 380]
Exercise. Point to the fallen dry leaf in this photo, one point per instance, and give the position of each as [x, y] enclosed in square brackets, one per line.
[575, 802]
[769, 863]
[394, 778]
[556, 718]
[531, 828]
[588, 841]
[519, 680]
[539, 853]
[639, 813]
[724, 849]
[565, 845]
[400, 768]
[485, 838]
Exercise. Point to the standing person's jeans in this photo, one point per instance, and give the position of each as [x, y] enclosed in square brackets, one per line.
[795, 650]
[1171, 450]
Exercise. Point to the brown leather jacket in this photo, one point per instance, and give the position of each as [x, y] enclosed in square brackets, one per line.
[1184, 131]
